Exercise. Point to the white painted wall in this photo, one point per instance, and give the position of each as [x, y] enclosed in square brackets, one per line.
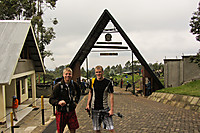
[2, 104]
[10, 92]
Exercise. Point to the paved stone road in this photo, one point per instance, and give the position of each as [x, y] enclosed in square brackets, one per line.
[141, 115]
[33, 121]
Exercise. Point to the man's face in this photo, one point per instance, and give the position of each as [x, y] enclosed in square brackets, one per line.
[67, 76]
[99, 74]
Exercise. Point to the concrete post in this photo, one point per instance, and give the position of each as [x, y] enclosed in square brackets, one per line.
[33, 82]
[3, 104]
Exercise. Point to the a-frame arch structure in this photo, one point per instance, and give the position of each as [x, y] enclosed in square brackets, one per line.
[93, 36]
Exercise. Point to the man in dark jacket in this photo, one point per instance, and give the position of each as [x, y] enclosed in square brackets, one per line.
[65, 97]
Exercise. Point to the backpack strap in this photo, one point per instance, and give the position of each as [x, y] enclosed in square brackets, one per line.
[73, 95]
[61, 86]
[107, 86]
[92, 85]
[72, 82]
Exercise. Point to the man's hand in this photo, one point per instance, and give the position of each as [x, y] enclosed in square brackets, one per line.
[88, 110]
[62, 103]
[87, 107]
[111, 112]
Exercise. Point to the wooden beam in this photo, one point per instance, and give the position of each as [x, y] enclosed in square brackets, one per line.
[108, 54]
[111, 47]
[118, 43]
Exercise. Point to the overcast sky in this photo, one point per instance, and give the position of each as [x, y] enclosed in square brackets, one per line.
[158, 28]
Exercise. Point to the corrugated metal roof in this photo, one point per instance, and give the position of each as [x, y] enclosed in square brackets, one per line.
[13, 35]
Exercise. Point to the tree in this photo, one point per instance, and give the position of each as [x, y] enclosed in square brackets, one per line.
[157, 68]
[136, 65]
[195, 59]
[127, 66]
[114, 68]
[31, 10]
[59, 71]
[112, 72]
[195, 29]
[106, 72]
[91, 72]
[14, 9]
[195, 24]
[43, 35]
[119, 69]
[83, 72]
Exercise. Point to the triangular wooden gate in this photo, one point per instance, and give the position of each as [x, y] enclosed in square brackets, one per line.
[93, 37]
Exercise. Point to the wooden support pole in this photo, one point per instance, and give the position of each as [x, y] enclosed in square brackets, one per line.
[11, 122]
[42, 108]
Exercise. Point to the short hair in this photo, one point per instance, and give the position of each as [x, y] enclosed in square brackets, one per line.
[67, 69]
[99, 67]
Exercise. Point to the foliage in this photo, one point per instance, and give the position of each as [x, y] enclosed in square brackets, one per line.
[136, 66]
[127, 66]
[49, 77]
[31, 10]
[43, 35]
[195, 23]
[156, 66]
[118, 69]
[191, 89]
[15, 9]
[83, 72]
[116, 72]
[195, 59]
[92, 73]
[195, 30]
[106, 72]
[112, 72]
[162, 80]
[129, 78]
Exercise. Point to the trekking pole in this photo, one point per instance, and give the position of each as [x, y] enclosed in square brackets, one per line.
[11, 122]
[42, 108]
[118, 114]
[115, 114]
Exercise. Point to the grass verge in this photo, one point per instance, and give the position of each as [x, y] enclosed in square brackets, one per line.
[190, 89]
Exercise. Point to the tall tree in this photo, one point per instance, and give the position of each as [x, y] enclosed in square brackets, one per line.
[195, 23]
[83, 72]
[114, 68]
[127, 66]
[92, 73]
[195, 29]
[136, 65]
[119, 69]
[106, 72]
[44, 35]
[31, 10]
[112, 72]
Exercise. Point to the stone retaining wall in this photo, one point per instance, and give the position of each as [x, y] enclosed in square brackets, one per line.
[182, 101]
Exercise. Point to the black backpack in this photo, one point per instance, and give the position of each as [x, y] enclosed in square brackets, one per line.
[57, 80]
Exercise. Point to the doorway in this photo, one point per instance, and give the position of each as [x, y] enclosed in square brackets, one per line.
[18, 89]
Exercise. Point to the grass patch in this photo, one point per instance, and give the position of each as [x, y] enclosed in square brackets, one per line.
[190, 89]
